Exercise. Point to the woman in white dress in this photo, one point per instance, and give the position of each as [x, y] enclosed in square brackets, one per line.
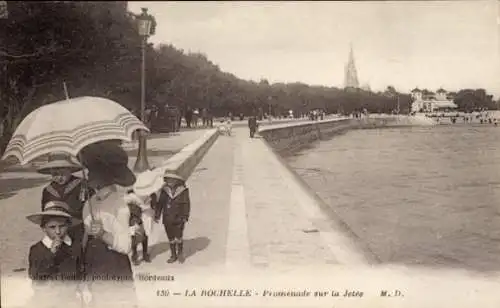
[108, 270]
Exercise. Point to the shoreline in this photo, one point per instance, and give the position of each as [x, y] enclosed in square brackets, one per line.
[335, 221]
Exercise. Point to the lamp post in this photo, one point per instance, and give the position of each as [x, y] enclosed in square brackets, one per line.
[398, 110]
[144, 24]
[269, 105]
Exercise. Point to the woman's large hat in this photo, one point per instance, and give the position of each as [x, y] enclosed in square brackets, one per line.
[59, 161]
[107, 162]
[53, 208]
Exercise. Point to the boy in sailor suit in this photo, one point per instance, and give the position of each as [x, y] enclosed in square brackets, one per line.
[175, 204]
[67, 188]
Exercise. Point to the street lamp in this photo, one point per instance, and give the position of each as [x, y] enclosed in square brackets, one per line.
[145, 23]
[397, 110]
[269, 112]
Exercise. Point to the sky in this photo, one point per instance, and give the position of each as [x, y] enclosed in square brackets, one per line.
[425, 44]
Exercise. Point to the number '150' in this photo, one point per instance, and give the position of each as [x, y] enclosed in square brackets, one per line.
[162, 292]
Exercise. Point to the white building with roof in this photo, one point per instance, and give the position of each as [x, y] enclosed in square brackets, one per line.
[428, 101]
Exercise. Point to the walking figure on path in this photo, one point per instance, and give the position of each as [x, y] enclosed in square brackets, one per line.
[175, 204]
[252, 125]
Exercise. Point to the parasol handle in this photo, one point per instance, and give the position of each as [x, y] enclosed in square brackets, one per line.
[65, 90]
[85, 182]
[85, 187]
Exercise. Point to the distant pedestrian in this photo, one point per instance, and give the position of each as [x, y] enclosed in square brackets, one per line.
[204, 117]
[196, 116]
[252, 125]
[189, 117]
[174, 204]
[179, 120]
[55, 262]
[210, 118]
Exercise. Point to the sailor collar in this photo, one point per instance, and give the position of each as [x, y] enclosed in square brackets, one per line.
[67, 187]
[173, 193]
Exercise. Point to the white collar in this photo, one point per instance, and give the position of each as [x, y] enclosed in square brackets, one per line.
[48, 242]
[177, 190]
[105, 192]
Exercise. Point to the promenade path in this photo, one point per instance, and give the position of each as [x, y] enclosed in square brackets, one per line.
[246, 213]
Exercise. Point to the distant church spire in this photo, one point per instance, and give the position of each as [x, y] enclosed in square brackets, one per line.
[351, 74]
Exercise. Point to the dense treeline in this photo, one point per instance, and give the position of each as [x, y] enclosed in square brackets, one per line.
[95, 48]
[474, 99]
[92, 47]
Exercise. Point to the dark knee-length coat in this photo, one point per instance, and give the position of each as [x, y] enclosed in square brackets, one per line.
[55, 276]
[174, 204]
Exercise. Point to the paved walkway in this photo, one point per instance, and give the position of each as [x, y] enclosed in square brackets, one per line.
[245, 217]
[248, 212]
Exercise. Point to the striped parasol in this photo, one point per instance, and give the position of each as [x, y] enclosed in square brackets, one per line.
[70, 125]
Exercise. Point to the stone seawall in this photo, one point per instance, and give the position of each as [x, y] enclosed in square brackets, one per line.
[184, 162]
[291, 137]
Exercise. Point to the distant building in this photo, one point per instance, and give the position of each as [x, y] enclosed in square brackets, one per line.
[351, 74]
[428, 101]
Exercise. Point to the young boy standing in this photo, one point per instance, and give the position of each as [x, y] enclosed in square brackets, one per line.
[175, 206]
[56, 259]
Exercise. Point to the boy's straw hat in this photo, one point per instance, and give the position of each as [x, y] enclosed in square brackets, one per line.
[53, 208]
[171, 175]
[59, 161]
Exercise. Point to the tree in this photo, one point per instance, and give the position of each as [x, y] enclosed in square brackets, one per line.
[474, 99]
[84, 44]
